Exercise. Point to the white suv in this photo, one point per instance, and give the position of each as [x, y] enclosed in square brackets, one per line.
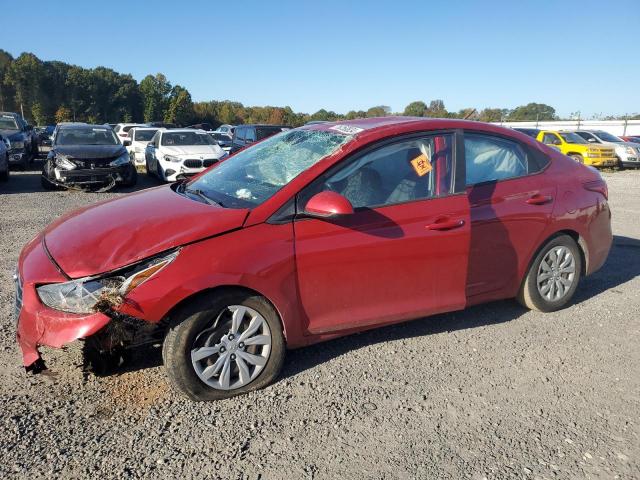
[137, 142]
[179, 153]
[122, 130]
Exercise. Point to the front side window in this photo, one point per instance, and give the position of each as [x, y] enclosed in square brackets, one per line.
[250, 135]
[406, 171]
[252, 176]
[490, 158]
[240, 133]
[171, 139]
[86, 136]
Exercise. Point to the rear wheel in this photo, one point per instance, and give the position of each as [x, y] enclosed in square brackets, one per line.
[223, 346]
[577, 157]
[553, 276]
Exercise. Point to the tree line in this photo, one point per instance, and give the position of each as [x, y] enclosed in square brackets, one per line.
[48, 92]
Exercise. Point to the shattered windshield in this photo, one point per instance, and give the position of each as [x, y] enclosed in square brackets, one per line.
[253, 175]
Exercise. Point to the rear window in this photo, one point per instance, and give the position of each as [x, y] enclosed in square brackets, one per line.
[186, 138]
[143, 135]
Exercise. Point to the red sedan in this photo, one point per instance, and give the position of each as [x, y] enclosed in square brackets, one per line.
[311, 234]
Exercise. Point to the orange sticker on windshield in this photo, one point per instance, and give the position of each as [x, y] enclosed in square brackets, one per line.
[421, 165]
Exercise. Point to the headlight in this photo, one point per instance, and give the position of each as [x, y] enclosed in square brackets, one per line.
[630, 150]
[85, 295]
[171, 158]
[64, 163]
[17, 145]
[121, 160]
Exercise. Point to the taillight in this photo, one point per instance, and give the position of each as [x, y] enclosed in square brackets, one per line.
[599, 186]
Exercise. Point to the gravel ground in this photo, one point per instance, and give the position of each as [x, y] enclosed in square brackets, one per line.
[492, 392]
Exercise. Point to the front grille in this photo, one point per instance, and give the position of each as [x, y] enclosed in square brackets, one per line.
[192, 163]
[18, 305]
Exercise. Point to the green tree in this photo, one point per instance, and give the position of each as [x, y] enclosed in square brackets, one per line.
[532, 111]
[415, 109]
[25, 74]
[63, 114]
[493, 114]
[436, 109]
[155, 91]
[378, 111]
[7, 93]
[180, 109]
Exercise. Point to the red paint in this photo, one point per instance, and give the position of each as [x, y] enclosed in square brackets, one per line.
[325, 276]
[327, 203]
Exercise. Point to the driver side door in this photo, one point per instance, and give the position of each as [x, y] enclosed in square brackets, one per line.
[402, 254]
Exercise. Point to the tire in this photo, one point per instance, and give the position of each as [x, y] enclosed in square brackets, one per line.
[577, 157]
[159, 173]
[553, 293]
[4, 176]
[47, 185]
[131, 178]
[207, 323]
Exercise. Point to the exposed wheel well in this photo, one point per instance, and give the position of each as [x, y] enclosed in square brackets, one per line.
[168, 318]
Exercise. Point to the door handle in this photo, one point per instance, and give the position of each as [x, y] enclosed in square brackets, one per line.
[539, 199]
[445, 224]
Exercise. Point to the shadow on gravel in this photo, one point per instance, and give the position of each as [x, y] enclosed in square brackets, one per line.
[622, 265]
[28, 181]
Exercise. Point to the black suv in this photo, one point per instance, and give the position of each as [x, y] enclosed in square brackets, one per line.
[22, 138]
[247, 134]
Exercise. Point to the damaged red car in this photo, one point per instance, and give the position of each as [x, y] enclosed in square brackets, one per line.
[314, 233]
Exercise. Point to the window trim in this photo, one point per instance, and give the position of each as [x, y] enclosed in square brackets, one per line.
[532, 154]
[382, 143]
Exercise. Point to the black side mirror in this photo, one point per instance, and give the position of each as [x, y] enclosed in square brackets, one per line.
[126, 142]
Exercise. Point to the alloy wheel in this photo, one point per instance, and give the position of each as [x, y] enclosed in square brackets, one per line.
[556, 273]
[233, 352]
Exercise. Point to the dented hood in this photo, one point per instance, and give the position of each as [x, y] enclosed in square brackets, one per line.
[119, 232]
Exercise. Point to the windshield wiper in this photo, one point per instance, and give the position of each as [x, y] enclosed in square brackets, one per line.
[202, 195]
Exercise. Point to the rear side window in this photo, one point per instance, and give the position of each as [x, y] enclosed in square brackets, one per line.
[491, 158]
[550, 139]
[240, 133]
[267, 132]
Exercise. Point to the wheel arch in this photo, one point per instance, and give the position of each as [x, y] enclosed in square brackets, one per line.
[582, 248]
[183, 303]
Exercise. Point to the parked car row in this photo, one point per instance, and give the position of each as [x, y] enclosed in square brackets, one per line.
[20, 139]
[591, 147]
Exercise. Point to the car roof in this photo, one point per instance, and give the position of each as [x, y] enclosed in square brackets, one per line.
[179, 130]
[68, 126]
[263, 125]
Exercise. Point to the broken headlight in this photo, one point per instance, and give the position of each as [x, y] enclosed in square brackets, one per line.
[84, 294]
[121, 160]
[64, 163]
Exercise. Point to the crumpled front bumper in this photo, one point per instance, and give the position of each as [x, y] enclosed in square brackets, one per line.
[38, 324]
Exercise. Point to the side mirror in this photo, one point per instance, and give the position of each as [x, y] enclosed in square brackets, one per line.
[126, 142]
[328, 204]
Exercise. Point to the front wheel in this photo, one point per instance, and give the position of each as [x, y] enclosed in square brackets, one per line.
[553, 276]
[224, 345]
[577, 157]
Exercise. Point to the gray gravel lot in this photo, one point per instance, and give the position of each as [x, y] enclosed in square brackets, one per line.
[495, 391]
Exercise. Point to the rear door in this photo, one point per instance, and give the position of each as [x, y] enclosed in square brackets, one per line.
[402, 254]
[511, 204]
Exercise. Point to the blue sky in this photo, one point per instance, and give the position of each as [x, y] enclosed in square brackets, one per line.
[343, 55]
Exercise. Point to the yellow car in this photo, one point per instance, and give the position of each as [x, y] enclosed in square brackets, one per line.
[578, 148]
